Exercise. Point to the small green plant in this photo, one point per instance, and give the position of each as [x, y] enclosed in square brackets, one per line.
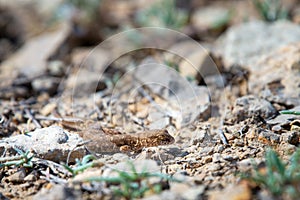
[289, 112]
[88, 9]
[132, 184]
[271, 10]
[87, 162]
[225, 20]
[23, 159]
[279, 178]
[163, 14]
[172, 64]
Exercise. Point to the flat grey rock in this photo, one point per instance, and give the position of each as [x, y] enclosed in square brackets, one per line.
[51, 143]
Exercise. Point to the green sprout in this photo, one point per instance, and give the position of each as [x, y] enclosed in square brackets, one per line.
[280, 178]
[88, 9]
[289, 112]
[87, 162]
[133, 184]
[23, 159]
[271, 10]
[223, 21]
[172, 64]
[163, 14]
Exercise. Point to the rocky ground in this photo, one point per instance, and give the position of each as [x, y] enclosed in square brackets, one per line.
[225, 85]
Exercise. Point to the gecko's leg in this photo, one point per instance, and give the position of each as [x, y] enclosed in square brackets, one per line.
[155, 152]
[125, 148]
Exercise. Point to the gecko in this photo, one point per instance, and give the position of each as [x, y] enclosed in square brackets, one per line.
[103, 140]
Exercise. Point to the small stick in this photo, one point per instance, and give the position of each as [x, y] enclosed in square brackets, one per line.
[145, 94]
[53, 179]
[31, 117]
[77, 145]
[2, 119]
[11, 158]
[58, 119]
[98, 111]
[55, 167]
[223, 137]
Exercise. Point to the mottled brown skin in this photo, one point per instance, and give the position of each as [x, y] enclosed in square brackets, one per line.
[145, 139]
[102, 140]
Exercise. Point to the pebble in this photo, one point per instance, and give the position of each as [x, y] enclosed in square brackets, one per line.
[219, 148]
[198, 137]
[216, 158]
[240, 191]
[32, 176]
[276, 128]
[17, 176]
[120, 157]
[211, 17]
[214, 167]
[167, 194]
[209, 178]
[268, 136]
[287, 149]
[194, 193]
[230, 158]
[238, 143]
[207, 150]
[56, 68]
[57, 192]
[291, 137]
[46, 84]
[245, 164]
[207, 159]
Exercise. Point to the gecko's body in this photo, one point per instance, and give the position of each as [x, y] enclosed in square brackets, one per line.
[101, 140]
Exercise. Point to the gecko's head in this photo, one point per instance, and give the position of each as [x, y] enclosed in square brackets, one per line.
[164, 138]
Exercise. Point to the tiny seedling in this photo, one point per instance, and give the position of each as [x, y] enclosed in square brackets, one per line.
[163, 14]
[223, 21]
[172, 65]
[289, 112]
[271, 10]
[88, 9]
[279, 178]
[87, 162]
[132, 184]
[23, 159]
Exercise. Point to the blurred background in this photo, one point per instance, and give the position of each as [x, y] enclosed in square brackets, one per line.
[43, 43]
[93, 21]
